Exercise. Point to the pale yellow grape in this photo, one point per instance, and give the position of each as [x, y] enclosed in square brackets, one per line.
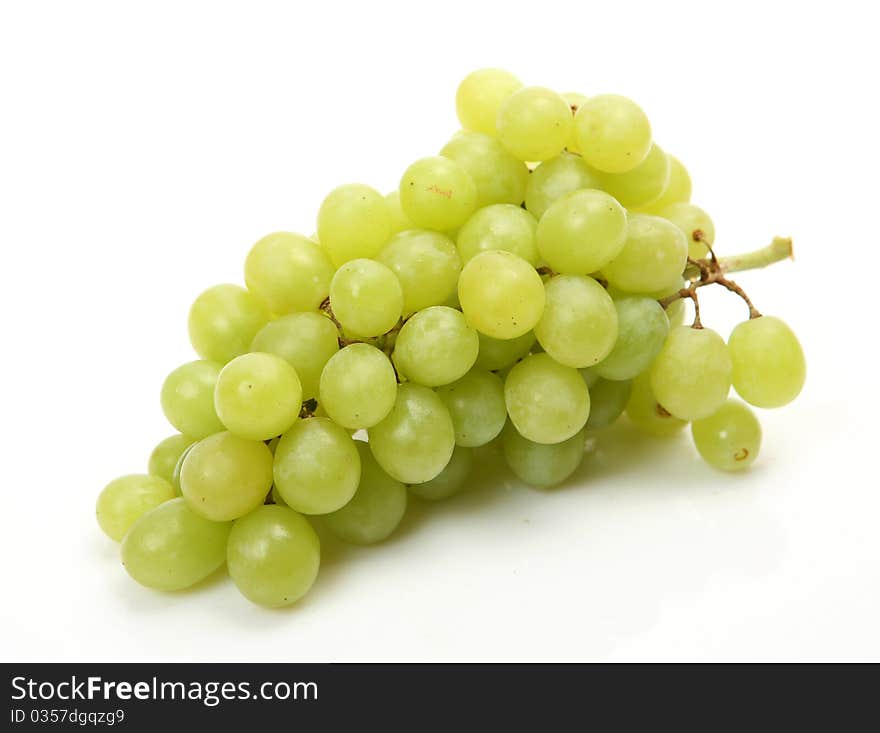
[547, 401]
[691, 375]
[540, 465]
[451, 480]
[317, 467]
[125, 499]
[579, 324]
[534, 123]
[305, 340]
[436, 346]
[171, 547]
[399, 220]
[366, 298]
[769, 368]
[556, 178]
[695, 224]
[476, 406]
[415, 441]
[581, 232]
[642, 327]
[501, 226]
[353, 222]
[678, 187]
[643, 184]
[358, 386]
[258, 396]
[273, 555]
[437, 193]
[223, 321]
[647, 414]
[612, 133]
[730, 438]
[426, 264]
[500, 177]
[574, 101]
[501, 294]
[653, 257]
[288, 272]
[166, 454]
[608, 400]
[480, 95]
[498, 354]
[224, 477]
[188, 398]
[376, 508]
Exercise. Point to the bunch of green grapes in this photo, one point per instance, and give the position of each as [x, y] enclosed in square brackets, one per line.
[520, 292]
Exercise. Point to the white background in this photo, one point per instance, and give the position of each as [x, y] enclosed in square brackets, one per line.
[145, 146]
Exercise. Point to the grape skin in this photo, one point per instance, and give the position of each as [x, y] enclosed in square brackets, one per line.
[542, 466]
[451, 480]
[436, 346]
[730, 438]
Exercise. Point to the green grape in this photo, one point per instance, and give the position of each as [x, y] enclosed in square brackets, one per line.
[769, 368]
[691, 374]
[437, 193]
[223, 321]
[498, 354]
[653, 256]
[501, 226]
[647, 414]
[695, 224]
[224, 477]
[480, 95]
[476, 406]
[317, 467]
[612, 133]
[534, 123]
[574, 101]
[678, 188]
[426, 264]
[288, 272]
[436, 346]
[499, 177]
[126, 498]
[258, 396]
[579, 324]
[273, 556]
[590, 377]
[305, 340]
[540, 465]
[729, 438]
[376, 508]
[675, 312]
[450, 480]
[358, 386]
[165, 456]
[640, 185]
[547, 401]
[608, 399]
[415, 441]
[366, 298]
[188, 399]
[178, 467]
[399, 220]
[556, 178]
[501, 294]
[581, 232]
[642, 327]
[171, 547]
[353, 222]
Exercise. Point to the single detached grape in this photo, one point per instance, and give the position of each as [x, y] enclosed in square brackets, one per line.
[769, 368]
[166, 454]
[273, 556]
[612, 133]
[358, 386]
[653, 256]
[288, 272]
[223, 321]
[366, 298]
[480, 95]
[502, 226]
[501, 294]
[451, 480]
[353, 222]
[547, 401]
[540, 465]
[640, 185]
[125, 499]
[258, 396]
[729, 438]
[437, 193]
[642, 327]
[188, 399]
[500, 177]
[436, 346]
[556, 178]
[496, 354]
[534, 123]
[694, 223]
[476, 405]
[608, 399]
[317, 467]
[691, 375]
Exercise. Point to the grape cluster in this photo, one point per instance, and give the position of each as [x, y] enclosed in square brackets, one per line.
[519, 290]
